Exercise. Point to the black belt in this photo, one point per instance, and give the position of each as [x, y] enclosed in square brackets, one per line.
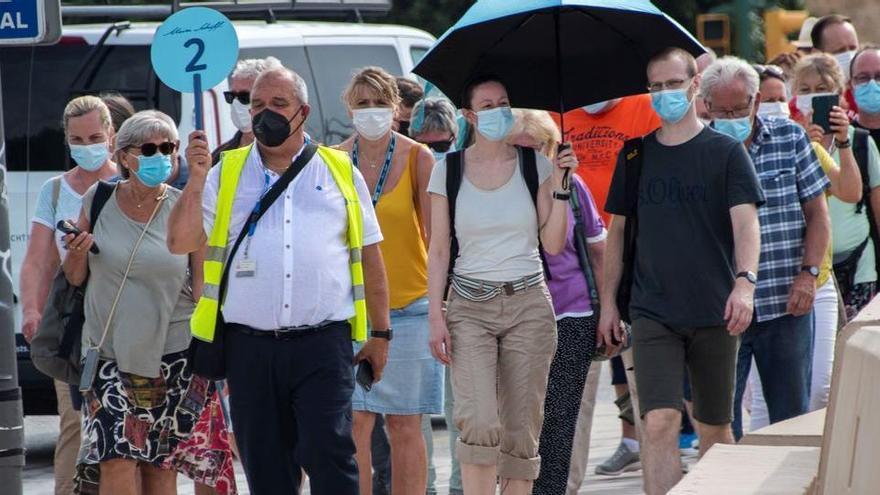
[286, 333]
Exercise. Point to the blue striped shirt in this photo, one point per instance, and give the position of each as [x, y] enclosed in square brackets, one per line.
[790, 175]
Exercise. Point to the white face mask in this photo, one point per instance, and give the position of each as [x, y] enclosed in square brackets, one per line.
[241, 116]
[774, 109]
[804, 103]
[844, 60]
[372, 123]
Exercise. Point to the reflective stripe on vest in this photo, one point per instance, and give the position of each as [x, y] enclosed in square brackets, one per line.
[204, 320]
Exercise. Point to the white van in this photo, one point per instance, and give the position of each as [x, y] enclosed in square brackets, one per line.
[38, 82]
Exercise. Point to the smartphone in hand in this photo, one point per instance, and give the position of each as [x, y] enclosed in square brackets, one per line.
[822, 106]
[364, 376]
[69, 228]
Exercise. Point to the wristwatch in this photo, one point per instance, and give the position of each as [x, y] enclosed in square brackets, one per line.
[383, 334]
[812, 270]
[561, 196]
[842, 144]
[750, 276]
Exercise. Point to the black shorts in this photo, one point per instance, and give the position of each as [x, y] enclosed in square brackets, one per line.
[659, 355]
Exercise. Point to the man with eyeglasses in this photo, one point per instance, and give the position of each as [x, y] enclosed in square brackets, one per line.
[795, 232]
[865, 86]
[239, 99]
[696, 254]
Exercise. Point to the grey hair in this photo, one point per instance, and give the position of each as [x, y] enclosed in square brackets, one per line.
[724, 71]
[144, 126]
[252, 67]
[438, 115]
[299, 84]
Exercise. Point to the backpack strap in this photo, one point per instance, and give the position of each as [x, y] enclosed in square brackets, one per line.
[860, 151]
[529, 168]
[454, 174]
[102, 194]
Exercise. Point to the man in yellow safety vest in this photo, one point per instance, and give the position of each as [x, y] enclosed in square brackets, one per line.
[292, 270]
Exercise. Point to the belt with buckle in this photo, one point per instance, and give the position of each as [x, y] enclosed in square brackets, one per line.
[480, 290]
[285, 333]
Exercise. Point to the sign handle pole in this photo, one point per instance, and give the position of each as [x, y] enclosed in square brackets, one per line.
[197, 96]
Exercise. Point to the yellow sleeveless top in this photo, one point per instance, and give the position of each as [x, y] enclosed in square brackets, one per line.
[404, 250]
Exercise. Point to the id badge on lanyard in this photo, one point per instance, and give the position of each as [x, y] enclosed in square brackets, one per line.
[247, 267]
[383, 173]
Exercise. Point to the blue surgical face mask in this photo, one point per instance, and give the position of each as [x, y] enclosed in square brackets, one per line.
[154, 170]
[89, 157]
[596, 108]
[739, 129]
[439, 155]
[868, 97]
[495, 124]
[672, 104]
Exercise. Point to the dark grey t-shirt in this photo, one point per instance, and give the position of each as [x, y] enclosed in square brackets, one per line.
[685, 263]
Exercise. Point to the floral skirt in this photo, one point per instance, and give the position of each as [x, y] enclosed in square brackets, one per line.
[172, 421]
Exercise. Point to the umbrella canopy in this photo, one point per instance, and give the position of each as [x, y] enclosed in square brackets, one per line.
[554, 54]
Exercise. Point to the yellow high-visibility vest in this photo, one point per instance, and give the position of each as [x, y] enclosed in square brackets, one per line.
[204, 320]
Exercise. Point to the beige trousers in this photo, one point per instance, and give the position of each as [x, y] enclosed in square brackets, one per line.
[67, 446]
[501, 354]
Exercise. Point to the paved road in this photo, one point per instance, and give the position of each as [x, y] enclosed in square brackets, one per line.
[41, 432]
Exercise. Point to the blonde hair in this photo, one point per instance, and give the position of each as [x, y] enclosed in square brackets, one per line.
[824, 66]
[83, 105]
[539, 125]
[374, 79]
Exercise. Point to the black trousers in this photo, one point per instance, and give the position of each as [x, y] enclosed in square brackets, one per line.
[291, 407]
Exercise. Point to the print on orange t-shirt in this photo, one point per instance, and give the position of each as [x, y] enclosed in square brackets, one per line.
[597, 139]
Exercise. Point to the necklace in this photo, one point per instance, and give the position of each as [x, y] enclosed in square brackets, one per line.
[139, 203]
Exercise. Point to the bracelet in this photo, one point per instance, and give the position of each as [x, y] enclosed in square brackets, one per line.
[842, 145]
[561, 196]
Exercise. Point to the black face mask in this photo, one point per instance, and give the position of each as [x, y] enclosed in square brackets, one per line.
[403, 127]
[272, 129]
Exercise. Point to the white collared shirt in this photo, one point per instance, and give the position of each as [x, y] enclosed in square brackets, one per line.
[299, 246]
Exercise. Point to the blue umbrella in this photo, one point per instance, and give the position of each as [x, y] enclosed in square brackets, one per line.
[554, 54]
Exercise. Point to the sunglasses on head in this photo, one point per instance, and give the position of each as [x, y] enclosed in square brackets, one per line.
[765, 71]
[439, 146]
[149, 149]
[243, 96]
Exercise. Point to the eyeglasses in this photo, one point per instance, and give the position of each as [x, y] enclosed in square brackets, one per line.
[439, 146]
[243, 96]
[765, 71]
[150, 149]
[736, 113]
[670, 84]
[863, 78]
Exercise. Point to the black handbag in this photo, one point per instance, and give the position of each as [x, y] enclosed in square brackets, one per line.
[208, 359]
[56, 349]
[633, 150]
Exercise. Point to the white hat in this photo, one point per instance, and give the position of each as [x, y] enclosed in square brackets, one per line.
[805, 39]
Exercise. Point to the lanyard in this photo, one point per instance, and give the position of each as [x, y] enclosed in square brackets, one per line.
[386, 167]
[252, 218]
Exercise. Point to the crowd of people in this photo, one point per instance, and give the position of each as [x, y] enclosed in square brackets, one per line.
[439, 261]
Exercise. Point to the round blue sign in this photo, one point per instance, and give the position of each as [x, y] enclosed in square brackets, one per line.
[195, 41]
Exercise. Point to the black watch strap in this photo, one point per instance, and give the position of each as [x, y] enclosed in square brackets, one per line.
[750, 276]
[382, 334]
[561, 196]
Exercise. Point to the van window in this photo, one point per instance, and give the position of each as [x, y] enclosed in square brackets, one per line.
[417, 52]
[333, 66]
[294, 58]
[37, 110]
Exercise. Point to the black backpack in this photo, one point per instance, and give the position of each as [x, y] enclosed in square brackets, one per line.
[632, 152]
[454, 175]
[860, 150]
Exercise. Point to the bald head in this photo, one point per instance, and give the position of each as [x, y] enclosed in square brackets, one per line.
[282, 78]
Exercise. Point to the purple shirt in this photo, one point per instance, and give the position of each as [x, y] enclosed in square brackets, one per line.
[568, 286]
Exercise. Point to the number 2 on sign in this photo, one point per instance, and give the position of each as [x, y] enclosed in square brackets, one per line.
[193, 65]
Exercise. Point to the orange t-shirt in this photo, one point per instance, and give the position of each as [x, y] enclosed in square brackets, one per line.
[597, 139]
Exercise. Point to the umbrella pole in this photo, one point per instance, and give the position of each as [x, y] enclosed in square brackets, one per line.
[559, 88]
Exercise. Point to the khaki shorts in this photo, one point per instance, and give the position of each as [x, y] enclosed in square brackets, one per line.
[660, 354]
[501, 354]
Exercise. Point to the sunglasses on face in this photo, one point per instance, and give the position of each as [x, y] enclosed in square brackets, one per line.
[243, 96]
[439, 146]
[149, 149]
